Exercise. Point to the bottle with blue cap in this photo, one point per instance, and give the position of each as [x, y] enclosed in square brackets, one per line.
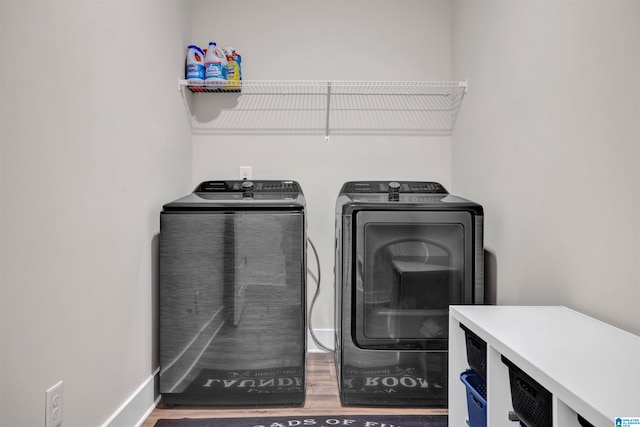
[215, 66]
[194, 69]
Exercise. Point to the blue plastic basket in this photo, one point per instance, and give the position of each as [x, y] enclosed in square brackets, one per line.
[476, 398]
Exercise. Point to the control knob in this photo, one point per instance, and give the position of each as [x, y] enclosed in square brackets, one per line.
[247, 188]
[394, 191]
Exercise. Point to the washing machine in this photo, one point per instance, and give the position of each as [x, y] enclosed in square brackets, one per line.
[404, 252]
[232, 295]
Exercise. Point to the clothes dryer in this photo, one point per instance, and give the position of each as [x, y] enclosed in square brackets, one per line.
[405, 251]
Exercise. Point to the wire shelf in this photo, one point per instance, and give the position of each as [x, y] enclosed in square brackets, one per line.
[336, 107]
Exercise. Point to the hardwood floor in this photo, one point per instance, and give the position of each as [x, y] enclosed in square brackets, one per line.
[321, 399]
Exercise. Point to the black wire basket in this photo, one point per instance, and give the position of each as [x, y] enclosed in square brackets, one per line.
[476, 352]
[531, 402]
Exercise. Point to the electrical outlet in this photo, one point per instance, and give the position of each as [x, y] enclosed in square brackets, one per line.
[53, 406]
[245, 172]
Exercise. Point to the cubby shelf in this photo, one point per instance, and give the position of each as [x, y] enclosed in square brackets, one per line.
[328, 107]
[590, 368]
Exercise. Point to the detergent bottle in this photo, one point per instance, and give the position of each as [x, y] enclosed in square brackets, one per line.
[215, 66]
[233, 68]
[223, 61]
[194, 68]
[238, 59]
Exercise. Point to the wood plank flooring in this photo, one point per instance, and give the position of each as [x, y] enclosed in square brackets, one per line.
[321, 399]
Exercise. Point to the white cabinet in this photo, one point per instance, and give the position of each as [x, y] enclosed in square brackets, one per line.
[325, 107]
[591, 368]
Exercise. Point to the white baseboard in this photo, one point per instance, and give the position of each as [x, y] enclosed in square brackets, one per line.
[137, 408]
[326, 338]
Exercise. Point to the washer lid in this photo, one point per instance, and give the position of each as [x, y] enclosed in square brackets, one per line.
[238, 194]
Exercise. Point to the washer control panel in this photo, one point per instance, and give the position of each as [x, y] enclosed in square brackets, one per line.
[268, 186]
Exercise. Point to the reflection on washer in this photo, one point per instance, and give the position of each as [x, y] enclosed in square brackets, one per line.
[233, 295]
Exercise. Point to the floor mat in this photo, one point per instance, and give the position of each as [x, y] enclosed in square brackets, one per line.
[312, 421]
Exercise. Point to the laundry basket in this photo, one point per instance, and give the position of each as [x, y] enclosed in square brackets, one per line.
[476, 352]
[476, 398]
[531, 401]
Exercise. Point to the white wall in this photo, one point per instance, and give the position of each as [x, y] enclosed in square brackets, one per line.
[3, 111]
[90, 148]
[94, 139]
[549, 141]
[328, 40]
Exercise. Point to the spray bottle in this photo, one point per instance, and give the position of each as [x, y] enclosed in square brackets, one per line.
[233, 68]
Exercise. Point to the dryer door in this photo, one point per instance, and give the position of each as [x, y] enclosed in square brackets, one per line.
[410, 266]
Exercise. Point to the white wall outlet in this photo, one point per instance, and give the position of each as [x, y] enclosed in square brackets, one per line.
[53, 406]
[246, 172]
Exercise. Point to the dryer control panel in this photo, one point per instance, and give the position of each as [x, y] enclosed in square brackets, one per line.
[421, 187]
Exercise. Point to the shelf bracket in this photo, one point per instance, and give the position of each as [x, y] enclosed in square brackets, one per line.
[183, 92]
[326, 129]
